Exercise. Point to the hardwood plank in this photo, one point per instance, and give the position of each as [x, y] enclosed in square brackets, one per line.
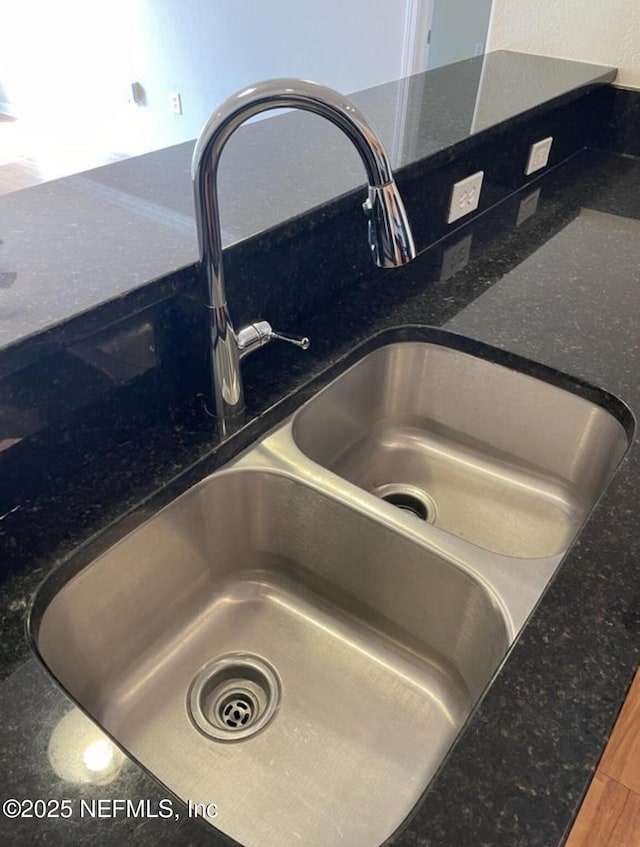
[621, 759]
[17, 175]
[24, 161]
[588, 812]
[609, 817]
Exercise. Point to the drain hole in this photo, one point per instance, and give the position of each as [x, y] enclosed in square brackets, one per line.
[408, 503]
[233, 697]
[236, 711]
[409, 498]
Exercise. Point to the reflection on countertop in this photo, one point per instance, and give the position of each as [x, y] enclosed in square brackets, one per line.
[107, 231]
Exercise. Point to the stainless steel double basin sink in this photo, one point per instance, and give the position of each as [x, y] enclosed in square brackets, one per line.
[300, 637]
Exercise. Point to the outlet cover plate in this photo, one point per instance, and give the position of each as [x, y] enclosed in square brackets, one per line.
[465, 196]
[175, 102]
[539, 155]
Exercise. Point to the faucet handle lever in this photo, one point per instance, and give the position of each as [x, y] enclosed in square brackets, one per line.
[255, 335]
[297, 340]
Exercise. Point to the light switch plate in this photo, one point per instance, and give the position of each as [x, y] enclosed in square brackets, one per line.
[539, 155]
[465, 196]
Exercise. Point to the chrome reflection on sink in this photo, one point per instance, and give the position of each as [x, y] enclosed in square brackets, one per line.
[380, 647]
[511, 463]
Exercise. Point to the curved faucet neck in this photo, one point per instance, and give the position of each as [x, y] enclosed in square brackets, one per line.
[389, 233]
[291, 94]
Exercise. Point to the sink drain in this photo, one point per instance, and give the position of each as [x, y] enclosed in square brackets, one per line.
[236, 710]
[409, 499]
[233, 697]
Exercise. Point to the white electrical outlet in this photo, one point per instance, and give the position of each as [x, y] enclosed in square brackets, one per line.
[136, 94]
[465, 196]
[175, 101]
[539, 155]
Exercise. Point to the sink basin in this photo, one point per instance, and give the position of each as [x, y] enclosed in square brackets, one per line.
[500, 458]
[283, 643]
[374, 655]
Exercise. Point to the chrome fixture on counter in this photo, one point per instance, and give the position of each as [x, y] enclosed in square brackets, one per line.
[390, 236]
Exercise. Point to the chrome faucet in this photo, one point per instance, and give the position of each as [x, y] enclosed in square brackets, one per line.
[390, 236]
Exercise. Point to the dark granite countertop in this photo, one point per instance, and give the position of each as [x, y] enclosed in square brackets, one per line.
[553, 274]
[53, 267]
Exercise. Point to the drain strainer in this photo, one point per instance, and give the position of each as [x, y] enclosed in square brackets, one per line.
[237, 710]
[409, 498]
[234, 697]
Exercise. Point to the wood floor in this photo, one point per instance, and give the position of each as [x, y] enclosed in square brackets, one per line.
[610, 814]
[28, 157]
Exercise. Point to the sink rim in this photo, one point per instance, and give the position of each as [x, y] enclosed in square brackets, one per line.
[437, 336]
[284, 409]
[370, 421]
[249, 464]
[258, 429]
[90, 705]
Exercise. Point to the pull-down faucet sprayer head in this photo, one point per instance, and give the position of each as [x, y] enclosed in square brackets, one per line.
[390, 237]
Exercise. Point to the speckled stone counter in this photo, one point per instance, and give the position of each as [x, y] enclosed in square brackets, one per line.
[552, 274]
[53, 267]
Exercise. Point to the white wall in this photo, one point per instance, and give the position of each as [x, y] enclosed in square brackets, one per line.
[71, 72]
[64, 69]
[458, 30]
[208, 50]
[605, 32]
